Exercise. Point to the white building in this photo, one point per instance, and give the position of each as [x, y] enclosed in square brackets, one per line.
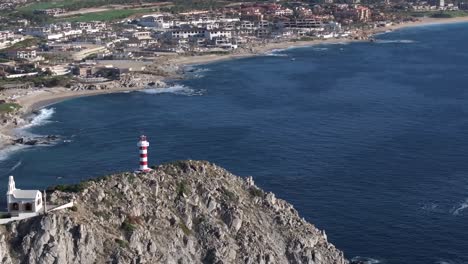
[283, 12]
[91, 27]
[24, 54]
[187, 33]
[140, 35]
[441, 3]
[5, 35]
[211, 34]
[22, 201]
[156, 21]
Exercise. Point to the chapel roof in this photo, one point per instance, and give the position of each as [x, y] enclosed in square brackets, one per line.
[25, 194]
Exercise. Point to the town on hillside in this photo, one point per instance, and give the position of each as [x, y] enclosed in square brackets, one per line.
[105, 44]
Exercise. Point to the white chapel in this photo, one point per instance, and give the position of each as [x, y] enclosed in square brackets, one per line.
[22, 201]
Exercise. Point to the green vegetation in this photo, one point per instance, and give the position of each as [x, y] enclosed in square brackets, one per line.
[44, 5]
[29, 42]
[9, 107]
[108, 15]
[179, 5]
[185, 229]
[121, 243]
[4, 215]
[70, 4]
[71, 188]
[99, 179]
[256, 192]
[230, 196]
[128, 227]
[38, 19]
[182, 188]
[48, 81]
[440, 14]
[41, 80]
[187, 5]
[130, 223]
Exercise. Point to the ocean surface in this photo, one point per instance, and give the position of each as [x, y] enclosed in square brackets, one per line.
[368, 141]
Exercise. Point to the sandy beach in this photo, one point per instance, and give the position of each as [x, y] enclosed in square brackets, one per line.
[46, 97]
[42, 98]
[36, 99]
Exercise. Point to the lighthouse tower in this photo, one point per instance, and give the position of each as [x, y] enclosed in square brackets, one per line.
[143, 145]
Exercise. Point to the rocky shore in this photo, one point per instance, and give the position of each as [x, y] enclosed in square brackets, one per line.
[31, 100]
[162, 69]
[183, 212]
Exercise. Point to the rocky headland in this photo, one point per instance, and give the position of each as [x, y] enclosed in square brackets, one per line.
[183, 212]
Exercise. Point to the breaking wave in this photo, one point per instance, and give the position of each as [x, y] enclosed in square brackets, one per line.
[276, 53]
[41, 118]
[444, 261]
[16, 166]
[195, 72]
[320, 49]
[433, 207]
[364, 260]
[401, 41]
[462, 206]
[6, 152]
[178, 89]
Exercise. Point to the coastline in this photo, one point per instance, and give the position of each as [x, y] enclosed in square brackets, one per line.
[37, 99]
[47, 97]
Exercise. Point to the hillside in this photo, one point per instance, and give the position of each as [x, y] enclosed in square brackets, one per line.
[183, 212]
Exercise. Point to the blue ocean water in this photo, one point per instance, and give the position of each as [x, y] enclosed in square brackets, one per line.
[368, 141]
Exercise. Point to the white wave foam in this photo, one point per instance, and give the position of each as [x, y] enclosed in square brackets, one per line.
[364, 260]
[6, 152]
[320, 49]
[431, 207]
[41, 118]
[389, 41]
[16, 166]
[462, 206]
[176, 89]
[344, 43]
[276, 53]
[196, 72]
[447, 261]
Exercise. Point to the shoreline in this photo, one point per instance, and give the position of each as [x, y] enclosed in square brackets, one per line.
[32, 104]
[37, 99]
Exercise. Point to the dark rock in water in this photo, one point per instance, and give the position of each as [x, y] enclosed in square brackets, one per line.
[18, 141]
[184, 212]
[151, 84]
[31, 142]
[36, 141]
[52, 137]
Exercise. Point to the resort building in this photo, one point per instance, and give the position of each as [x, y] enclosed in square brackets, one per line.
[363, 13]
[22, 54]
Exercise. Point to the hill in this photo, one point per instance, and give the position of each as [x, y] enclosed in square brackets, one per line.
[183, 212]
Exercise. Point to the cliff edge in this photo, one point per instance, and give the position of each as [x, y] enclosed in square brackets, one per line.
[183, 212]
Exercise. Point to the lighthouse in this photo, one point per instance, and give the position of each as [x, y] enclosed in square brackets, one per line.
[143, 144]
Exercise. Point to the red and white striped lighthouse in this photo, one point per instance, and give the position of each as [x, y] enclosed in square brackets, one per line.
[143, 144]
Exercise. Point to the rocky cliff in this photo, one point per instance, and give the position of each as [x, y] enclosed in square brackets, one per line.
[184, 212]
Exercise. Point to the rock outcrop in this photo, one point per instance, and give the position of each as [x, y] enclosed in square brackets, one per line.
[183, 212]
